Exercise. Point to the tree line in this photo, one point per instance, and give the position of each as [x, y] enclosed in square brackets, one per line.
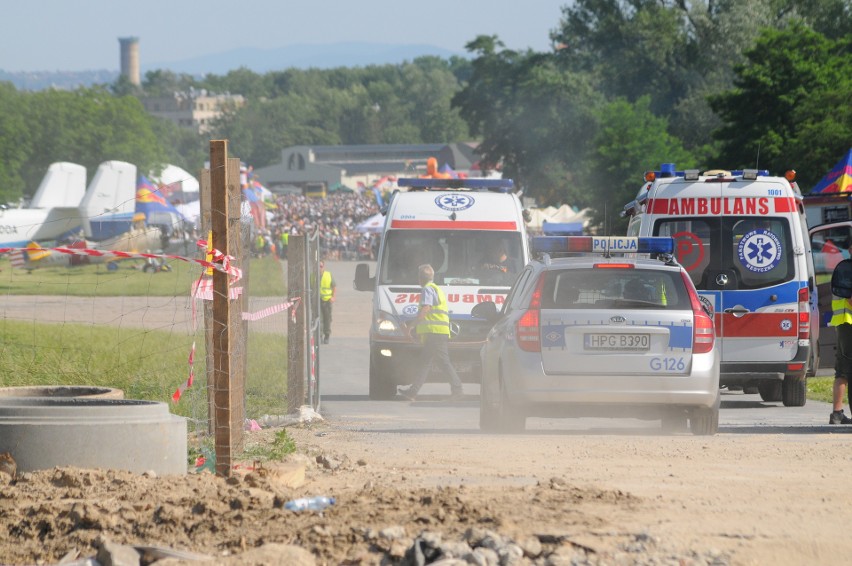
[626, 86]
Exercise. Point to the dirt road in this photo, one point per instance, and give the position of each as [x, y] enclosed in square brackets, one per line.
[616, 496]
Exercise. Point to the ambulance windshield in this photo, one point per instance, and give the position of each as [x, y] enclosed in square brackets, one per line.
[459, 257]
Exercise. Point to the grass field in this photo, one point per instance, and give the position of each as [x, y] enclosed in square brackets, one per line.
[819, 388]
[145, 364]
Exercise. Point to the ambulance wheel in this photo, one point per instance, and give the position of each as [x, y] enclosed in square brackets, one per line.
[770, 391]
[794, 391]
[382, 388]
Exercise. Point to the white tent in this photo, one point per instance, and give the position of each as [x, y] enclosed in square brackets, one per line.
[191, 211]
[562, 215]
[373, 225]
[180, 180]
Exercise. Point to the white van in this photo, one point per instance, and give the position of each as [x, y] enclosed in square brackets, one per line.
[452, 224]
[742, 236]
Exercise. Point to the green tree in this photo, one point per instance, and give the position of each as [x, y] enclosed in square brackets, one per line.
[795, 84]
[533, 117]
[164, 83]
[88, 126]
[240, 81]
[15, 143]
[630, 140]
[679, 52]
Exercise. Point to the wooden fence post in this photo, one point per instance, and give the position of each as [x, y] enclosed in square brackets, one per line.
[296, 324]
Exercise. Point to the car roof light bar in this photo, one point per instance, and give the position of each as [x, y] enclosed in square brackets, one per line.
[602, 244]
[667, 170]
[497, 185]
[750, 174]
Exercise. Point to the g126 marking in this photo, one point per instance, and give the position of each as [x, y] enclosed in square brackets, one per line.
[668, 364]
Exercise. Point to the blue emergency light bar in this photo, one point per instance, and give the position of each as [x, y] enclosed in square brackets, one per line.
[668, 170]
[497, 185]
[602, 244]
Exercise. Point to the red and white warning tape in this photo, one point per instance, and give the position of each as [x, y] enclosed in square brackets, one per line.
[188, 383]
[268, 311]
[220, 262]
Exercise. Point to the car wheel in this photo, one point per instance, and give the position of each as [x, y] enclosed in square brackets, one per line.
[751, 390]
[674, 422]
[705, 421]
[770, 391]
[794, 391]
[489, 415]
[382, 387]
[512, 420]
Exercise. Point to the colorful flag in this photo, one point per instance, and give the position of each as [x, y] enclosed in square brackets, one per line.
[838, 180]
[150, 202]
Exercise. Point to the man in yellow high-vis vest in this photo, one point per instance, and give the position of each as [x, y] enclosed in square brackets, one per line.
[841, 320]
[328, 289]
[433, 329]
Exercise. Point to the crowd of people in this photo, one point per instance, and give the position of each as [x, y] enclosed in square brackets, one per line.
[336, 216]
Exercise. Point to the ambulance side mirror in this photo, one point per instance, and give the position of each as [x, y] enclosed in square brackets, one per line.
[363, 281]
[486, 310]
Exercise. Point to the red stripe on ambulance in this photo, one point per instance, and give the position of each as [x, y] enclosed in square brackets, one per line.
[453, 224]
[758, 325]
[715, 206]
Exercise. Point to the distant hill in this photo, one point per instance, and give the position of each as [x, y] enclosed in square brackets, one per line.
[301, 56]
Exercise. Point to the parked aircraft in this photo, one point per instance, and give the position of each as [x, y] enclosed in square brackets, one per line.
[109, 222]
[54, 209]
[140, 238]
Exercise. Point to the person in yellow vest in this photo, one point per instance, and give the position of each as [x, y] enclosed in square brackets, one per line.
[433, 329]
[285, 243]
[328, 289]
[841, 319]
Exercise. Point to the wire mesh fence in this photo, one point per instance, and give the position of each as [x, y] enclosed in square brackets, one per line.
[140, 315]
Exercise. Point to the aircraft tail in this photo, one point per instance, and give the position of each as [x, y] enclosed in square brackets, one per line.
[64, 185]
[29, 257]
[110, 201]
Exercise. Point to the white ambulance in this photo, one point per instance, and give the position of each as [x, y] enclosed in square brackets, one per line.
[742, 236]
[473, 234]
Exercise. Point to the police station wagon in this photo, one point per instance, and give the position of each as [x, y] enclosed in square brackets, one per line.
[601, 334]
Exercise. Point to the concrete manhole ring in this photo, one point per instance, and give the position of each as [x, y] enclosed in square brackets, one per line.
[62, 391]
[46, 432]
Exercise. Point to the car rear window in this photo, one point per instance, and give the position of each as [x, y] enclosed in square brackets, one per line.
[593, 288]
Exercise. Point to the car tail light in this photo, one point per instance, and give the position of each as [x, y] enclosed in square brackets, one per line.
[528, 328]
[804, 314]
[703, 330]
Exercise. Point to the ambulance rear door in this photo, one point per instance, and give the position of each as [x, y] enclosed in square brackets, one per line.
[739, 251]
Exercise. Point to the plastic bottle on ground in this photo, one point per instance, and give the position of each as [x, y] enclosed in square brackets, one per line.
[317, 503]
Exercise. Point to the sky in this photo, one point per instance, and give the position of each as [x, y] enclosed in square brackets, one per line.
[82, 35]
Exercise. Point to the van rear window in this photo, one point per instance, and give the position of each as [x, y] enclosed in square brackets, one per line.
[752, 251]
